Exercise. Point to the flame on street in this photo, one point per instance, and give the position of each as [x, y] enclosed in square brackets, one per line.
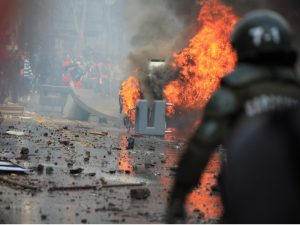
[207, 59]
[130, 93]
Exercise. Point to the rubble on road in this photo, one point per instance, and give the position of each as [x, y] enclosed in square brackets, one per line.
[140, 194]
[76, 171]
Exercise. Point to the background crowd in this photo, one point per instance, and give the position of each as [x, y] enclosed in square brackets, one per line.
[22, 74]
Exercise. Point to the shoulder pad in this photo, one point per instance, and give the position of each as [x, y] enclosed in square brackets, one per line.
[223, 103]
[245, 74]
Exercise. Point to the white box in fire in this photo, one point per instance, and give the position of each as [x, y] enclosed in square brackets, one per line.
[150, 121]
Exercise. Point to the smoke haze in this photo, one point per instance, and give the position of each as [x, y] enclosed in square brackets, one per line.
[158, 29]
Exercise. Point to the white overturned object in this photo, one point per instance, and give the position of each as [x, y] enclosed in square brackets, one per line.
[17, 133]
[155, 124]
[9, 167]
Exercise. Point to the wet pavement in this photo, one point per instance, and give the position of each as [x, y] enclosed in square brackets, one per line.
[98, 154]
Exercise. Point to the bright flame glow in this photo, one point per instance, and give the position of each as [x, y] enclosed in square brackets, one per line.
[205, 61]
[130, 93]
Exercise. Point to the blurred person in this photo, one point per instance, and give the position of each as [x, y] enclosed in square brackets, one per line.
[255, 114]
[15, 70]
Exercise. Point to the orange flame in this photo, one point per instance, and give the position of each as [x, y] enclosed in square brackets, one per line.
[130, 93]
[205, 61]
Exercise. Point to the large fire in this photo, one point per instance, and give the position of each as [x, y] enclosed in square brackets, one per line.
[208, 57]
[205, 61]
[130, 93]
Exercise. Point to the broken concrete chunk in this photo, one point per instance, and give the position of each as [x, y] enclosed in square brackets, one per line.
[24, 151]
[76, 171]
[140, 194]
[43, 217]
[49, 170]
[40, 168]
[66, 143]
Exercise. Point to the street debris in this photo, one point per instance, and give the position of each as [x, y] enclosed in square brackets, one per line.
[43, 217]
[94, 187]
[99, 133]
[73, 188]
[9, 167]
[49, 170]
[24, 151]
[65, 142]
[19, 184]
[25, 117]
[40, 168]
[131, 142]
[16, 133]
[91, 174]
[140, 194]
[149, 165]
[76, 171]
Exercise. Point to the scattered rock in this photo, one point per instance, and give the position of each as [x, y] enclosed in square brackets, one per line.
[7, 207]
[151, 148]
[45, 134]
[24, 151]
[149, 165]
[140, 194]
[84, 221]
[40, 168]
[112, 171]
[76, 171]
[103, 181]
[43, 217]
[65, 142]
[131, 142]
[49, 170]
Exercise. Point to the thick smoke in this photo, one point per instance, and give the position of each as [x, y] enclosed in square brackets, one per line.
[159, 29]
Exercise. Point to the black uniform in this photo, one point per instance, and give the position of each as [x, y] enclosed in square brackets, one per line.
[252, 114]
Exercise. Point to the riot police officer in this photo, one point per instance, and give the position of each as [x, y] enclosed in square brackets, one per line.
[247, 114]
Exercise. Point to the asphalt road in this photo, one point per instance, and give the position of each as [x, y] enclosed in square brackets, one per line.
[57, 146]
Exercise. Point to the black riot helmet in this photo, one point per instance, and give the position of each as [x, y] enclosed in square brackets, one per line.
[264, 37]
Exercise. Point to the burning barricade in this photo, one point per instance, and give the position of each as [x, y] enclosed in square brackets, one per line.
[194, 73]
